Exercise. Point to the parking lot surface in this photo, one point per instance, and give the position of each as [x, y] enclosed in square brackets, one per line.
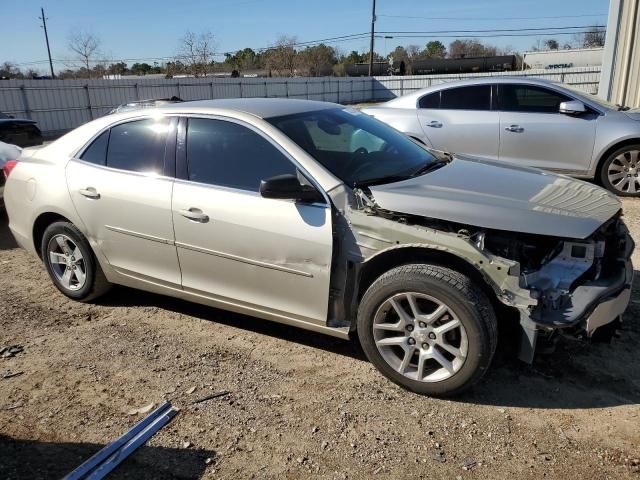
[299, 404]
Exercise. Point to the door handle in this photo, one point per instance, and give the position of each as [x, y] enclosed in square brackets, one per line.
[434, 124]
[194, 214]
[89, 192]
[514, 128]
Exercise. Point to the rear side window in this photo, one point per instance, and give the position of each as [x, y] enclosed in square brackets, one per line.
[138, 146]
[466, 98]
[231, 155]
[97, 151]
[527, 98]
[430, 101]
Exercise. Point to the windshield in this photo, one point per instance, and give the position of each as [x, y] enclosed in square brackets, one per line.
[590, 97]
[355, 147]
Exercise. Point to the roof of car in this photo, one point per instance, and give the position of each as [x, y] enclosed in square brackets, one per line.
[410, 99]
[260, 107]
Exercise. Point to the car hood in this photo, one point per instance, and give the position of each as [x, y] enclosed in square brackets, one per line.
[498, 196]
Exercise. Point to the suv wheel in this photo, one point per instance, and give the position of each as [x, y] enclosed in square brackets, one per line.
[71, 263]
[428, 329]
[620, 171]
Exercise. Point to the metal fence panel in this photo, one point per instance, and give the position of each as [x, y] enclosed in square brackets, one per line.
[59, 105]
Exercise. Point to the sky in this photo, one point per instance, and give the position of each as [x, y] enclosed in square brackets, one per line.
[151, 29]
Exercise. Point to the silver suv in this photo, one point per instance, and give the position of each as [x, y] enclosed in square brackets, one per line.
[527, 122]
[321, 217]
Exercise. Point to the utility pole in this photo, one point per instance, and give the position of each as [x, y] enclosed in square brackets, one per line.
[373, 32]
[46, 37]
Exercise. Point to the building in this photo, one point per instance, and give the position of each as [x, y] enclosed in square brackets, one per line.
[620, 79]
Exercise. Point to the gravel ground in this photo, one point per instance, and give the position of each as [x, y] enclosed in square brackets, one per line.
[300, 403]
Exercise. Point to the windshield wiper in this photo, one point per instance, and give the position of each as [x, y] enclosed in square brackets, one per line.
[622, 108]
[430, 167]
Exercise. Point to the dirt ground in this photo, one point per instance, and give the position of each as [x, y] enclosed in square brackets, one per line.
[300, 404]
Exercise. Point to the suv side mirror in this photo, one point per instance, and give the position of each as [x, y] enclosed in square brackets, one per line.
[289, 187]
[573, 107]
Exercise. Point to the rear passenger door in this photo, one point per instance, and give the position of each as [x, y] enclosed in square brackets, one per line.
[121, 188]
[461, 120]
[534, 133]
[236, 247]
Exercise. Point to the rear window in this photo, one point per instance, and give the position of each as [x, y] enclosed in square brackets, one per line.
[97, 151]
[430, 101]
[476, 97]
[138, 146]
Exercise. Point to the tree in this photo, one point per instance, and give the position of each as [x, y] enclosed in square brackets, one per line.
[282, 58]
[551, 44]
[141, 68]
[119, 68]
[435, 49]
[245, 59]
[9, 70]
[470, 48]
[318, 60]
[196, 52]
[86, 48]
[595, 37]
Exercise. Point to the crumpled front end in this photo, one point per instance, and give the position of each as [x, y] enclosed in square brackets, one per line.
[586, 284]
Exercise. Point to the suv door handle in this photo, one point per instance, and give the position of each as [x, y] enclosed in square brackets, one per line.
[434, 124]
[194, 214]
[89, 192]
[514, 128]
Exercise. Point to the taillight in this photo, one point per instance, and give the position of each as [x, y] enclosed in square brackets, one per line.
[8, 166]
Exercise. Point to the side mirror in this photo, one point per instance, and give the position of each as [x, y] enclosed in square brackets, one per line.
[289, 187]
[573, 107]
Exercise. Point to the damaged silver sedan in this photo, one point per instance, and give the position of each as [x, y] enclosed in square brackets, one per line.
[320, 217]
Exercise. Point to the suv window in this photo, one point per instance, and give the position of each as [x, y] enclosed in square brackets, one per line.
[477, 97]
[231, 155]
[431, 100]
[138, 146]
[97, 151]
[528, 98]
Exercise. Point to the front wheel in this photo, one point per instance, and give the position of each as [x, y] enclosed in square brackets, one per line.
[428, 329]
[71, 263]
[620, 171]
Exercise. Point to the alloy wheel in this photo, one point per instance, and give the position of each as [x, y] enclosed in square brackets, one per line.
[67, 263]
[623, 172]
[420, 337]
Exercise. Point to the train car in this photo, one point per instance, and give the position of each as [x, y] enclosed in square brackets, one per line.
[379, 69]
[432, 66]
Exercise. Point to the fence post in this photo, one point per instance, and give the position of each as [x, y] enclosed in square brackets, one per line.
[240, 86]
[25, 102]
[211, 87]
[306, 85]
[373, 92]
[401, 86]
[266, 90]
[286, 88]
[86, 88]
[138, 92]
[338, 91]
[324, 90]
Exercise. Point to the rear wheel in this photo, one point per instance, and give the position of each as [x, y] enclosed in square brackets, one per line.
[71, 263]
[620, 171]
[428, 329]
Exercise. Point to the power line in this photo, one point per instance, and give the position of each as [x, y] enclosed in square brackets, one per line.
[492, 18]
[496, 35]
[537, 29]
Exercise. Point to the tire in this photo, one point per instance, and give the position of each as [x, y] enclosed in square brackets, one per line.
[624, 157]
[428, 285]
[93, 284]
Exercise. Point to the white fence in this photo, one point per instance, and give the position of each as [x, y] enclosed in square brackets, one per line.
[59, 105]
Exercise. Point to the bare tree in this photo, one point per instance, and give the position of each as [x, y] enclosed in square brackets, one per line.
[282, 58]
[85, 46]
[470, 48]
[196, 52]
[551, 44]
[595, 37]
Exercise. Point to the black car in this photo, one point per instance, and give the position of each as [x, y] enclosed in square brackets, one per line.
[19, 131]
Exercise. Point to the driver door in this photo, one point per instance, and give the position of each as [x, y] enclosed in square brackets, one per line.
[238, 248]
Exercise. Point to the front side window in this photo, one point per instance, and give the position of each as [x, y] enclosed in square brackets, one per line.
[529, 98]
[477, 97]
[356, 148]
[231, 155]
[139, 146]
[97, 151]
